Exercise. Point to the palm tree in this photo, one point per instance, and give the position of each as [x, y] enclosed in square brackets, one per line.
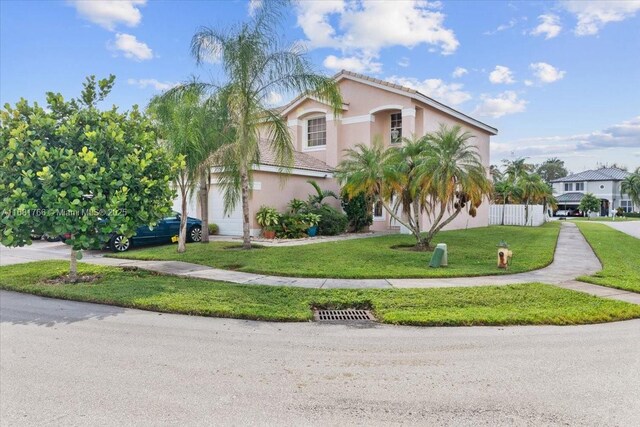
[318, 198]
[185, 130]
[631, 186]
[508, 191]
[514, 169]
[367, 170]
[533, 189]
[452, 176]
[256, 65]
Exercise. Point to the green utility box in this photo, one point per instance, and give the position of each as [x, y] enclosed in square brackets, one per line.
[439, 257]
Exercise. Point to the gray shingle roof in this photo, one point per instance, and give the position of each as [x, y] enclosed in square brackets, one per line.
[570, 198]
[604, 174]
[300, 160]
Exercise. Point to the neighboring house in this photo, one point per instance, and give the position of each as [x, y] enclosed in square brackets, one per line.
[372, 108]
[603, 183]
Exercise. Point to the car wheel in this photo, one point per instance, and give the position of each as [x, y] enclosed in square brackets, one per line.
[52, 238]
[195, 234]
[120, 243]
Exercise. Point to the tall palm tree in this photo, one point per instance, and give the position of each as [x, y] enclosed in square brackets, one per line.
[515, 168]
[368, 170]
[533, 189]
[452, 176]
[256, 65]
[184, 128]
[631, 186]
[508, 191]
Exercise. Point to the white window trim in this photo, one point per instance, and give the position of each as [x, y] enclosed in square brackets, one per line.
[305, 134]
[379, 218]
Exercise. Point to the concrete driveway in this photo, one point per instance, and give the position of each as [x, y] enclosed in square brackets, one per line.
[69, 363]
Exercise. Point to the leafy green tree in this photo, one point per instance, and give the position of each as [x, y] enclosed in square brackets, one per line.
[73, 168]
[552, 169]
[589, 203]
[256, 65]
[359, 211]
[631, 186]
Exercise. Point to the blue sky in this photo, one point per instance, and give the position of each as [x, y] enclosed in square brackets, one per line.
[556, 78]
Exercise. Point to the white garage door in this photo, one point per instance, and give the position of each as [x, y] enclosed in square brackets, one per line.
[230, 225]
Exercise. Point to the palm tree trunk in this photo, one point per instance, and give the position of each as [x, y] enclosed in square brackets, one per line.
[182, 236]
[394, 216]
[73, 265]
[204, 205]
[246, 232]
[504, 207]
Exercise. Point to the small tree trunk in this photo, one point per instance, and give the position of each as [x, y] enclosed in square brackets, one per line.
[73, 266]
[504, 207]
[246, 232]
[204, 205]
[182, 236]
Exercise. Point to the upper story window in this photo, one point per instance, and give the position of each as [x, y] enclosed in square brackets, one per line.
[396, 127]
[317, 132]
[579, 186]
[568, 186]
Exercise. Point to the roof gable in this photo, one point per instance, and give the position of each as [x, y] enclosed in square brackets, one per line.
[604, 174]
[402, 90]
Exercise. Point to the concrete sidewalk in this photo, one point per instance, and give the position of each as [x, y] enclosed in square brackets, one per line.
[573, 258]
[632, 228]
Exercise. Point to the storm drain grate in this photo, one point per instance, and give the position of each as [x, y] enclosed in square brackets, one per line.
[342, 315]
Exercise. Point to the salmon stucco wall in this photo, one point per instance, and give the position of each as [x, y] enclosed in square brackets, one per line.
[277, 193]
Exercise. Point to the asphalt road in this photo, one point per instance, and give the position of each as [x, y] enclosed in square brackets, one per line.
[70, 363]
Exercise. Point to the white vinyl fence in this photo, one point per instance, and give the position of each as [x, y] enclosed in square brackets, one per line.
[515, 215]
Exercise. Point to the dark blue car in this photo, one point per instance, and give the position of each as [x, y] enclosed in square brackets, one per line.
[166, 229]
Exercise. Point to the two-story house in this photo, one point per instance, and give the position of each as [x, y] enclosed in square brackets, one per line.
[604, 183]
[372, 108]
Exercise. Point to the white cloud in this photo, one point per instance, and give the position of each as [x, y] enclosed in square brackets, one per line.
[404, 62]
[131, 48]
[362, 29]
[358, 64]
[254, 5]
[274, 98]
[109, 14]
[451, 94]
[512, 23]
[501, 75]
[153, 83]
[549, 26]
[503, 104]
[528, 83]
[459, 72]
[546, 73]
[624, 135]
[593, 15]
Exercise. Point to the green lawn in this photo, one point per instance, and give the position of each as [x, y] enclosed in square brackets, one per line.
[507, 305]
[619, 253]
[602, 219]
[472, 252]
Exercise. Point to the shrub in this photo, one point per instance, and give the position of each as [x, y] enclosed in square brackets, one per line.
[267, 217]
[213, 228]
[632, 215]
[291, 226]
[332, 221]
[297, 205]
[358, 210]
